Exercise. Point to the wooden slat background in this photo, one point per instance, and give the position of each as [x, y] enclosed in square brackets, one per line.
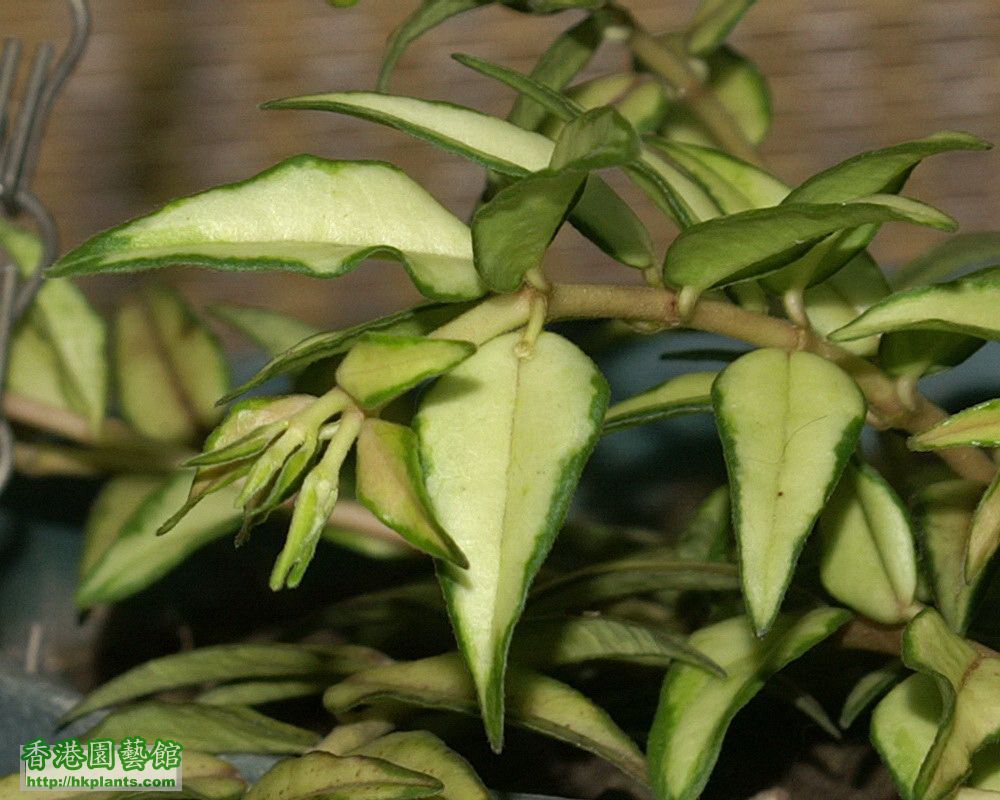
[165, 100]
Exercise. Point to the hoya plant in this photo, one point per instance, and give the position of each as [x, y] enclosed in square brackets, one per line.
[459, 429]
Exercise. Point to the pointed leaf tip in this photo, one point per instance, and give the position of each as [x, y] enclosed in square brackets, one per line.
[390, 484]
[788, 423]
[536, 702]
[965, 306]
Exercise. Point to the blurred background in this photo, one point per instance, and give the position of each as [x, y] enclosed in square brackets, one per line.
[165, 104]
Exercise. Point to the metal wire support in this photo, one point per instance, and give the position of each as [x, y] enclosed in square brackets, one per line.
[20, 143]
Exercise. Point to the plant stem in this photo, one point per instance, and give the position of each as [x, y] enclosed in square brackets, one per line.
[42, 459]
[499, 314]
[114, 448]
[863, 634]
[66, 423]
[503, 313]
[674, 68]
[569, 301]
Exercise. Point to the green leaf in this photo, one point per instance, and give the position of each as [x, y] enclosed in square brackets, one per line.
[984, 538]
[534, 701]
[138, 558]
[943, 516]
[788, 423]
[600, 214]
[645, 106]
[328, 344]
[753, 243]
[707, 536]
[742, 91]
[512, 231]
[867, 690]
[224, 663]
[324, 775]
[569, 53]
[696, 707]
[684, 394]
[273, 331]
[822, 261]
[118, 500]
[677, 195]
[423, 751]
[210, 778]
[969, 683]
[428, 15]
[790, 693]
[966, 305]
[390, 484]
[305, 215]
[78, 338]
[879, 171]
[555, 102]
[669, 189]
[869, 562]
[733, 185]
[596, 139]
[749, 296]
[610, 223]
[603, 90]
[33, 368]
[904, 724]
[985, 774]
[840, 298]
[348, 737]
[212, 729]
[978, 426]
[914, 353]
[255, 693]
[194, 354]
[500, 496]
[58, 352]
[169, 368]
[903, 731]
[556, 642]
[955, 256]
[712, 22]
[487, 140]
[382, 366]
[590, 587]
[23, 246]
